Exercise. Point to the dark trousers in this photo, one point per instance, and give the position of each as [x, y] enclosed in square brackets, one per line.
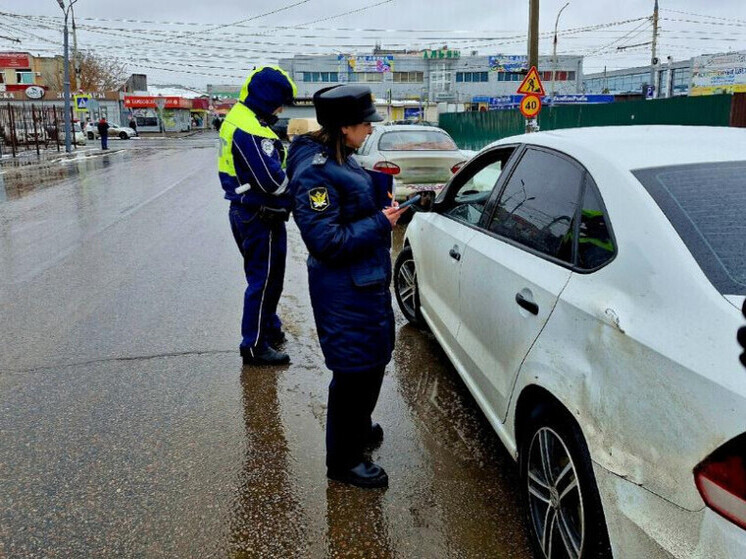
[263, 247]
[352, 398]
[104, 141]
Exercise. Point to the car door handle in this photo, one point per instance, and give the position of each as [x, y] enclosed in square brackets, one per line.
[530, 306]
[454, 253]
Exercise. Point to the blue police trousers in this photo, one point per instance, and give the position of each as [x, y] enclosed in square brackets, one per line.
[263, 247]
[352, 399]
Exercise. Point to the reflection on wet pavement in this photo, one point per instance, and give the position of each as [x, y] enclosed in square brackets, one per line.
[265, 518]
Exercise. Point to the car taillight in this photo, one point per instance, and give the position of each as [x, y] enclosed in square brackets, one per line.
[457, 166]
[387, 167]
[721, 480]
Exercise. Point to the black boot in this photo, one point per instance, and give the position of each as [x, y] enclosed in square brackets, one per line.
[367, 475]
[267, 356]
[276, 339]
[375, 438]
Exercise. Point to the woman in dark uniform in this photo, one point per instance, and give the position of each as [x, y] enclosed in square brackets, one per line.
[345, 218]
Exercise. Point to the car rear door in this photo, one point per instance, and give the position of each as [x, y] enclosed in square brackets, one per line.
[514, 269]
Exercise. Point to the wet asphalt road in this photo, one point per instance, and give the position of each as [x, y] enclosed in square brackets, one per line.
[128, 427]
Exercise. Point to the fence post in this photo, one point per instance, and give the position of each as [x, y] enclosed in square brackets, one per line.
[36, 133]
[56, 127]
[12, 130]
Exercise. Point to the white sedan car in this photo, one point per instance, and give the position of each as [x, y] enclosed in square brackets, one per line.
[587, 284]
[115, 131]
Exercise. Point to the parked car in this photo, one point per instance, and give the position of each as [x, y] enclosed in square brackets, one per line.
[586, 284]
[115, 131]
[419, 157]
[78, 136]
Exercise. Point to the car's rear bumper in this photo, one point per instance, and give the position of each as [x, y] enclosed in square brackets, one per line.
[642, 524]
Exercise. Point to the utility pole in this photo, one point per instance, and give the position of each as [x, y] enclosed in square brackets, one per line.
[533, 33]
[532, 124]
[68, 124]
[653, 58]
[554, 49]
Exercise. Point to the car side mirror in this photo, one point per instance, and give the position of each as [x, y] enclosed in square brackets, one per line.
[425, 204]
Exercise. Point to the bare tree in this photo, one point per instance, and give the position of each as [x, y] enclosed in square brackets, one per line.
[98, 73]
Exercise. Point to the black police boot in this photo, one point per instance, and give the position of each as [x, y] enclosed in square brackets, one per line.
[366, 475]
[267, 356]
[375, 437]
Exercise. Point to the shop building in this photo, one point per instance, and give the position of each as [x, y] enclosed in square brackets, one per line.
[707, 74]
[441, 76]
[159, 114]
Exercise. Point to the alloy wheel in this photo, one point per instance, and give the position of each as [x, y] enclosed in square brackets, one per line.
[407, 286]
[555, 499]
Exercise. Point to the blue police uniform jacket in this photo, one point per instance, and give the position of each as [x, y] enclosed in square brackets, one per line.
[338, 211]
[250, 162]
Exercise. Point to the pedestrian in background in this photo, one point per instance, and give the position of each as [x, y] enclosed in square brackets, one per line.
[103, 131]
[251, 172]
[133, 124]
[345, 219]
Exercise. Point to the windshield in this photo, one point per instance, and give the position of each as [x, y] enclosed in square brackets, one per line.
[416, 140]
[706, 203]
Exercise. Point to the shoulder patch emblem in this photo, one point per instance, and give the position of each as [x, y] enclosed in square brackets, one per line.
[319, 159]
[319, 198]
[268, 146]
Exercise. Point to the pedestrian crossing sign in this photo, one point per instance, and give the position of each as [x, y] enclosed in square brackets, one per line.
[81, 103]
[531, 84]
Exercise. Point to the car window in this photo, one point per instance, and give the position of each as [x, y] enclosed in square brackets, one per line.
[416, 140]
[538, 204]
[468, 195]
[595, 242]
[705, 203]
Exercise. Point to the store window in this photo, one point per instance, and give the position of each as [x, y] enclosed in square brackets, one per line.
[472, 77]
[510, 76]
[25, 77]
[409, 77]
[320, 76]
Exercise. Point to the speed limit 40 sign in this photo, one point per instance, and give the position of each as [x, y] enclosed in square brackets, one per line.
[530, 106]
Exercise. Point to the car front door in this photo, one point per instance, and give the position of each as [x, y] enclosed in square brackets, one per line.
[443, 236]
[514, 270]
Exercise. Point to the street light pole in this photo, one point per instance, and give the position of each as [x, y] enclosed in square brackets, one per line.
[68, 124]
[554, 49]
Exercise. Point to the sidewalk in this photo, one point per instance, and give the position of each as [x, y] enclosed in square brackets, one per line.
[50, 154]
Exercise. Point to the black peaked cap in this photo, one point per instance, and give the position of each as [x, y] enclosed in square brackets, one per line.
[345, 105]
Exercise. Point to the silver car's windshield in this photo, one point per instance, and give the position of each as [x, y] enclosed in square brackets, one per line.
[706, 203]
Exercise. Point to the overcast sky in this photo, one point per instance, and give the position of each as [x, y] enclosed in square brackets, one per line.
[218, 41]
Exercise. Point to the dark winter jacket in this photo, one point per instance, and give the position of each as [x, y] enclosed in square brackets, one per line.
[338, 211]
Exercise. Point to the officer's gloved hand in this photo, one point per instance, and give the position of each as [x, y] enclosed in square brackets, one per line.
[742, 337]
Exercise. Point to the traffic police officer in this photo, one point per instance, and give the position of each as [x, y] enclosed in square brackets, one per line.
[251, 172]
[345, 219]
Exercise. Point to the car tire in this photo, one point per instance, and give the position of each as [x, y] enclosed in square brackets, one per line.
[123, 136]
[565, 514]
[91, 136]
[405, 287]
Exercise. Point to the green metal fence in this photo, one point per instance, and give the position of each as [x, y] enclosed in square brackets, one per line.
[475, 130]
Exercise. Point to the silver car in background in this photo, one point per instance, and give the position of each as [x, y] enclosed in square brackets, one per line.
[419, 157]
